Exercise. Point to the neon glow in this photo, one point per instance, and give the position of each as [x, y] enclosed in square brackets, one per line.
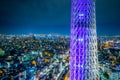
[83, 44]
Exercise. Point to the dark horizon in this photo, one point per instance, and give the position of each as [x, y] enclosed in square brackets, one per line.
[53, 16]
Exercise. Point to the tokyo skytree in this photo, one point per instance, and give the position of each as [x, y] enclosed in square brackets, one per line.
[83, 43]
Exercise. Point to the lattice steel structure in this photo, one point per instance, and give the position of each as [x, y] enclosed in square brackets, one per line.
[83, 44]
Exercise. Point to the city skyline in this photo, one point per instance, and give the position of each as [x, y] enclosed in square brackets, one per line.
[53, 16]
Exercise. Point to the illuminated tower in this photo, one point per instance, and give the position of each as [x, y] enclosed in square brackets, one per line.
[83, 44]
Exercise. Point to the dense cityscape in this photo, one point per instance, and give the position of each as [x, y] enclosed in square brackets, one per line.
[46, 57]
[28, 57]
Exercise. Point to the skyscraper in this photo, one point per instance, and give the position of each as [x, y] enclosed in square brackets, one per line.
[83, 44]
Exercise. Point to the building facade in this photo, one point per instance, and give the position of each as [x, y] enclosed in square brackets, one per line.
[83, 43]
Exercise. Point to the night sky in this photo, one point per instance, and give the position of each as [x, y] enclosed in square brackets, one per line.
[53, 16]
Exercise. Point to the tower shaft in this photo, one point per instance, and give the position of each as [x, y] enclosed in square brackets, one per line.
[83, 44]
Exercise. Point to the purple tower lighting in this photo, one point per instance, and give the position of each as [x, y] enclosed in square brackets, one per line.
[83, 45]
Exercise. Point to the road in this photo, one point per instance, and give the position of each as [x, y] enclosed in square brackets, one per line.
[67, 76]
[59, 76]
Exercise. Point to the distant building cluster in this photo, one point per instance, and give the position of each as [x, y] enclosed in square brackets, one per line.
[109, 57]
[44, 57]
[34, 56]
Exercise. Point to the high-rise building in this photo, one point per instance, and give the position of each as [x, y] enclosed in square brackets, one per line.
[83, 44]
